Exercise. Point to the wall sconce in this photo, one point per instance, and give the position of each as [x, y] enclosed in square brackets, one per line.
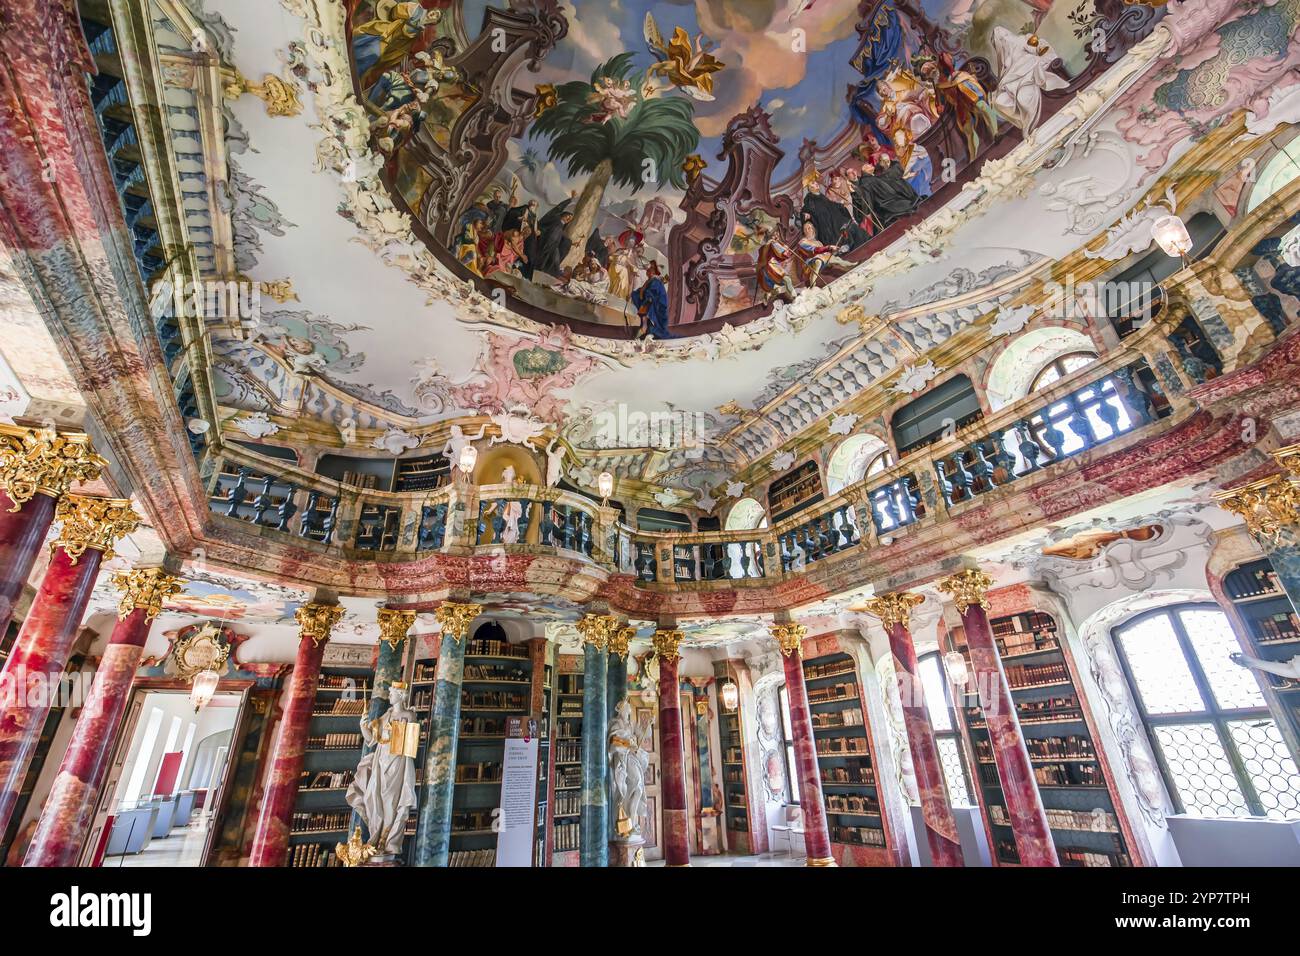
[468, 459]
[605, 485]
[958, 670]
[730, 696]
[204, 688]
[1171, 235]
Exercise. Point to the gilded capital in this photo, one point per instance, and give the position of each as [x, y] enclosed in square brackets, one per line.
[894, 608]
[1289, 459]
[456, 618]
[790, 637]
[1269, 508]
[968, 587]
[597, 629]
[666, 644]
[93, 523]
[394, 625]
[620, 639]
[40, 461]
[145, 589]
[317, 620]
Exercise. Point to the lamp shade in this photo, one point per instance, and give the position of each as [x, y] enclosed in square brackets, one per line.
[730, 694]
[958, 670]
[203, 688]
[468, 458]
[1171, 235]
[605, 484]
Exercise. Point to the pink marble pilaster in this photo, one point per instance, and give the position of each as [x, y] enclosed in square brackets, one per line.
[30, 682]
[70, 808]
[677, 850]
[22, 532]
[271, 842]
[1029, 824]
[940, 827]
[817, 839]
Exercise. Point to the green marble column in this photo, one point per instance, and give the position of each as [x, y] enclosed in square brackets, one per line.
[433, 835]
[593, 826]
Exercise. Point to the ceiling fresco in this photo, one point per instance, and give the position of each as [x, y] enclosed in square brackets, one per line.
[672, 164]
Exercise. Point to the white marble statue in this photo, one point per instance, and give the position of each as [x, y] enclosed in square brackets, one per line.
[628, 760]
[554, 463]
[1290, 669]
[1023, 75]
[383, 790]
[457, 441]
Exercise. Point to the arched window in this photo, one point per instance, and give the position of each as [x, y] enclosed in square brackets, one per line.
[1279, 170]
[854, 459]
[939, 706]
[746, 515]
[1219, 748]
[1061, 366]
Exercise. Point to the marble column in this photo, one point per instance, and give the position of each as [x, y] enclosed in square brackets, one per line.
[30, 681]
[433, 834]
[817, 838]
[672, 765]
[894, 611]
[271, 841]
[1029, 825]
[70, 807]
[37, 467]
[394, 624]
[593, 825]
[615, 692]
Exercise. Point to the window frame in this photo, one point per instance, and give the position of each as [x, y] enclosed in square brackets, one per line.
[792, 795]
[1058, 365]
[1216, 716]
[953, 732]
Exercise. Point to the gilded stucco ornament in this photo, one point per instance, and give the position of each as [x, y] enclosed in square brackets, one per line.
[666, 644]
[356, 852]
[597, 629]
[145, 589]
[790, 638]
[893, 608]
[317, 620]
[95, 523]
[968, 587]
[456, 618]
[394, 625]
[40, 461]
[199, 649]
[280, 97]
[620, 638]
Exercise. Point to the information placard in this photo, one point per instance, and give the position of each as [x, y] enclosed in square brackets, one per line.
[517, 819]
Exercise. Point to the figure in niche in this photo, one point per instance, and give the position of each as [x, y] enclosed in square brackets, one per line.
[651, 304]
[774, 261]
[383, 790]
[1025, 63]
[628, 760]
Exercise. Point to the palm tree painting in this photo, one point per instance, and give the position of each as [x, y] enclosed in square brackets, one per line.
[615, 128]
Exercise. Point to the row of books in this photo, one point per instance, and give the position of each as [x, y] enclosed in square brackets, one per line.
[425, 671]
[566, 836]
[496, 673]
[835, 746]
[343, 708]
[487, 647]
[1098, 820]
[473, 858]
[568, 803]
[570, 776]
[845, 690]
[492, 700]
[848, 717]
[482, 771]
[861, 774]
[861, 836]
[483, 726]
[341, 682]
[320, 821]
[325, 779]
[851, 803]
[1032, 675]
[830, 669]
[334, 742]
[1277, 628]
[306, 855]
[1069, 747]
[1026, 643]
[568, 751]
[466, 821]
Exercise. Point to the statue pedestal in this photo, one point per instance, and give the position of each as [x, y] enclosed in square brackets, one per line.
[627, 852]
[383, 861]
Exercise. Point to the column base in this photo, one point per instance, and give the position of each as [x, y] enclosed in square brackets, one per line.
[821, 861]
[627, 853]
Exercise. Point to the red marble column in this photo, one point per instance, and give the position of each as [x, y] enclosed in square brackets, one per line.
[672, 760]
[37, 466]
[817, 838]
[271, 841]
[70, 807]
[30, 681]
[940, 827]
[1029, 825]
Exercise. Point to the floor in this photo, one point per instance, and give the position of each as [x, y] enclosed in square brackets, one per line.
[762, 859]
[184, 847]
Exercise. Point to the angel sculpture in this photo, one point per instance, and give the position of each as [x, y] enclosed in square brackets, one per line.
[689, 68]
[1289, 669]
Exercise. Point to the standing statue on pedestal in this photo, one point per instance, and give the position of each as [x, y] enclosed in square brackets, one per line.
[628, 760]
[383, 791]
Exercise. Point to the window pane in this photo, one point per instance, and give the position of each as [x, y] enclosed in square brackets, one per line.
[1160, 672]
[1212, 638]
[1272, 771]
[950, 759]
[1199, 770]
[786, 730]
[932, 686]
[1073, 363]
[792, 773]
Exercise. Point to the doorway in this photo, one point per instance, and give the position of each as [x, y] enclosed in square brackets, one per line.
[165, 787]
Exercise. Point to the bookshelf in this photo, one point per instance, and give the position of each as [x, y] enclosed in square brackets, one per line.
[1073, 783]
[321, 813]
[735, 776]
[794, 490]
[846, 760]
[378, 527]
[566, 802]
[421, 474]
[1271, 627]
